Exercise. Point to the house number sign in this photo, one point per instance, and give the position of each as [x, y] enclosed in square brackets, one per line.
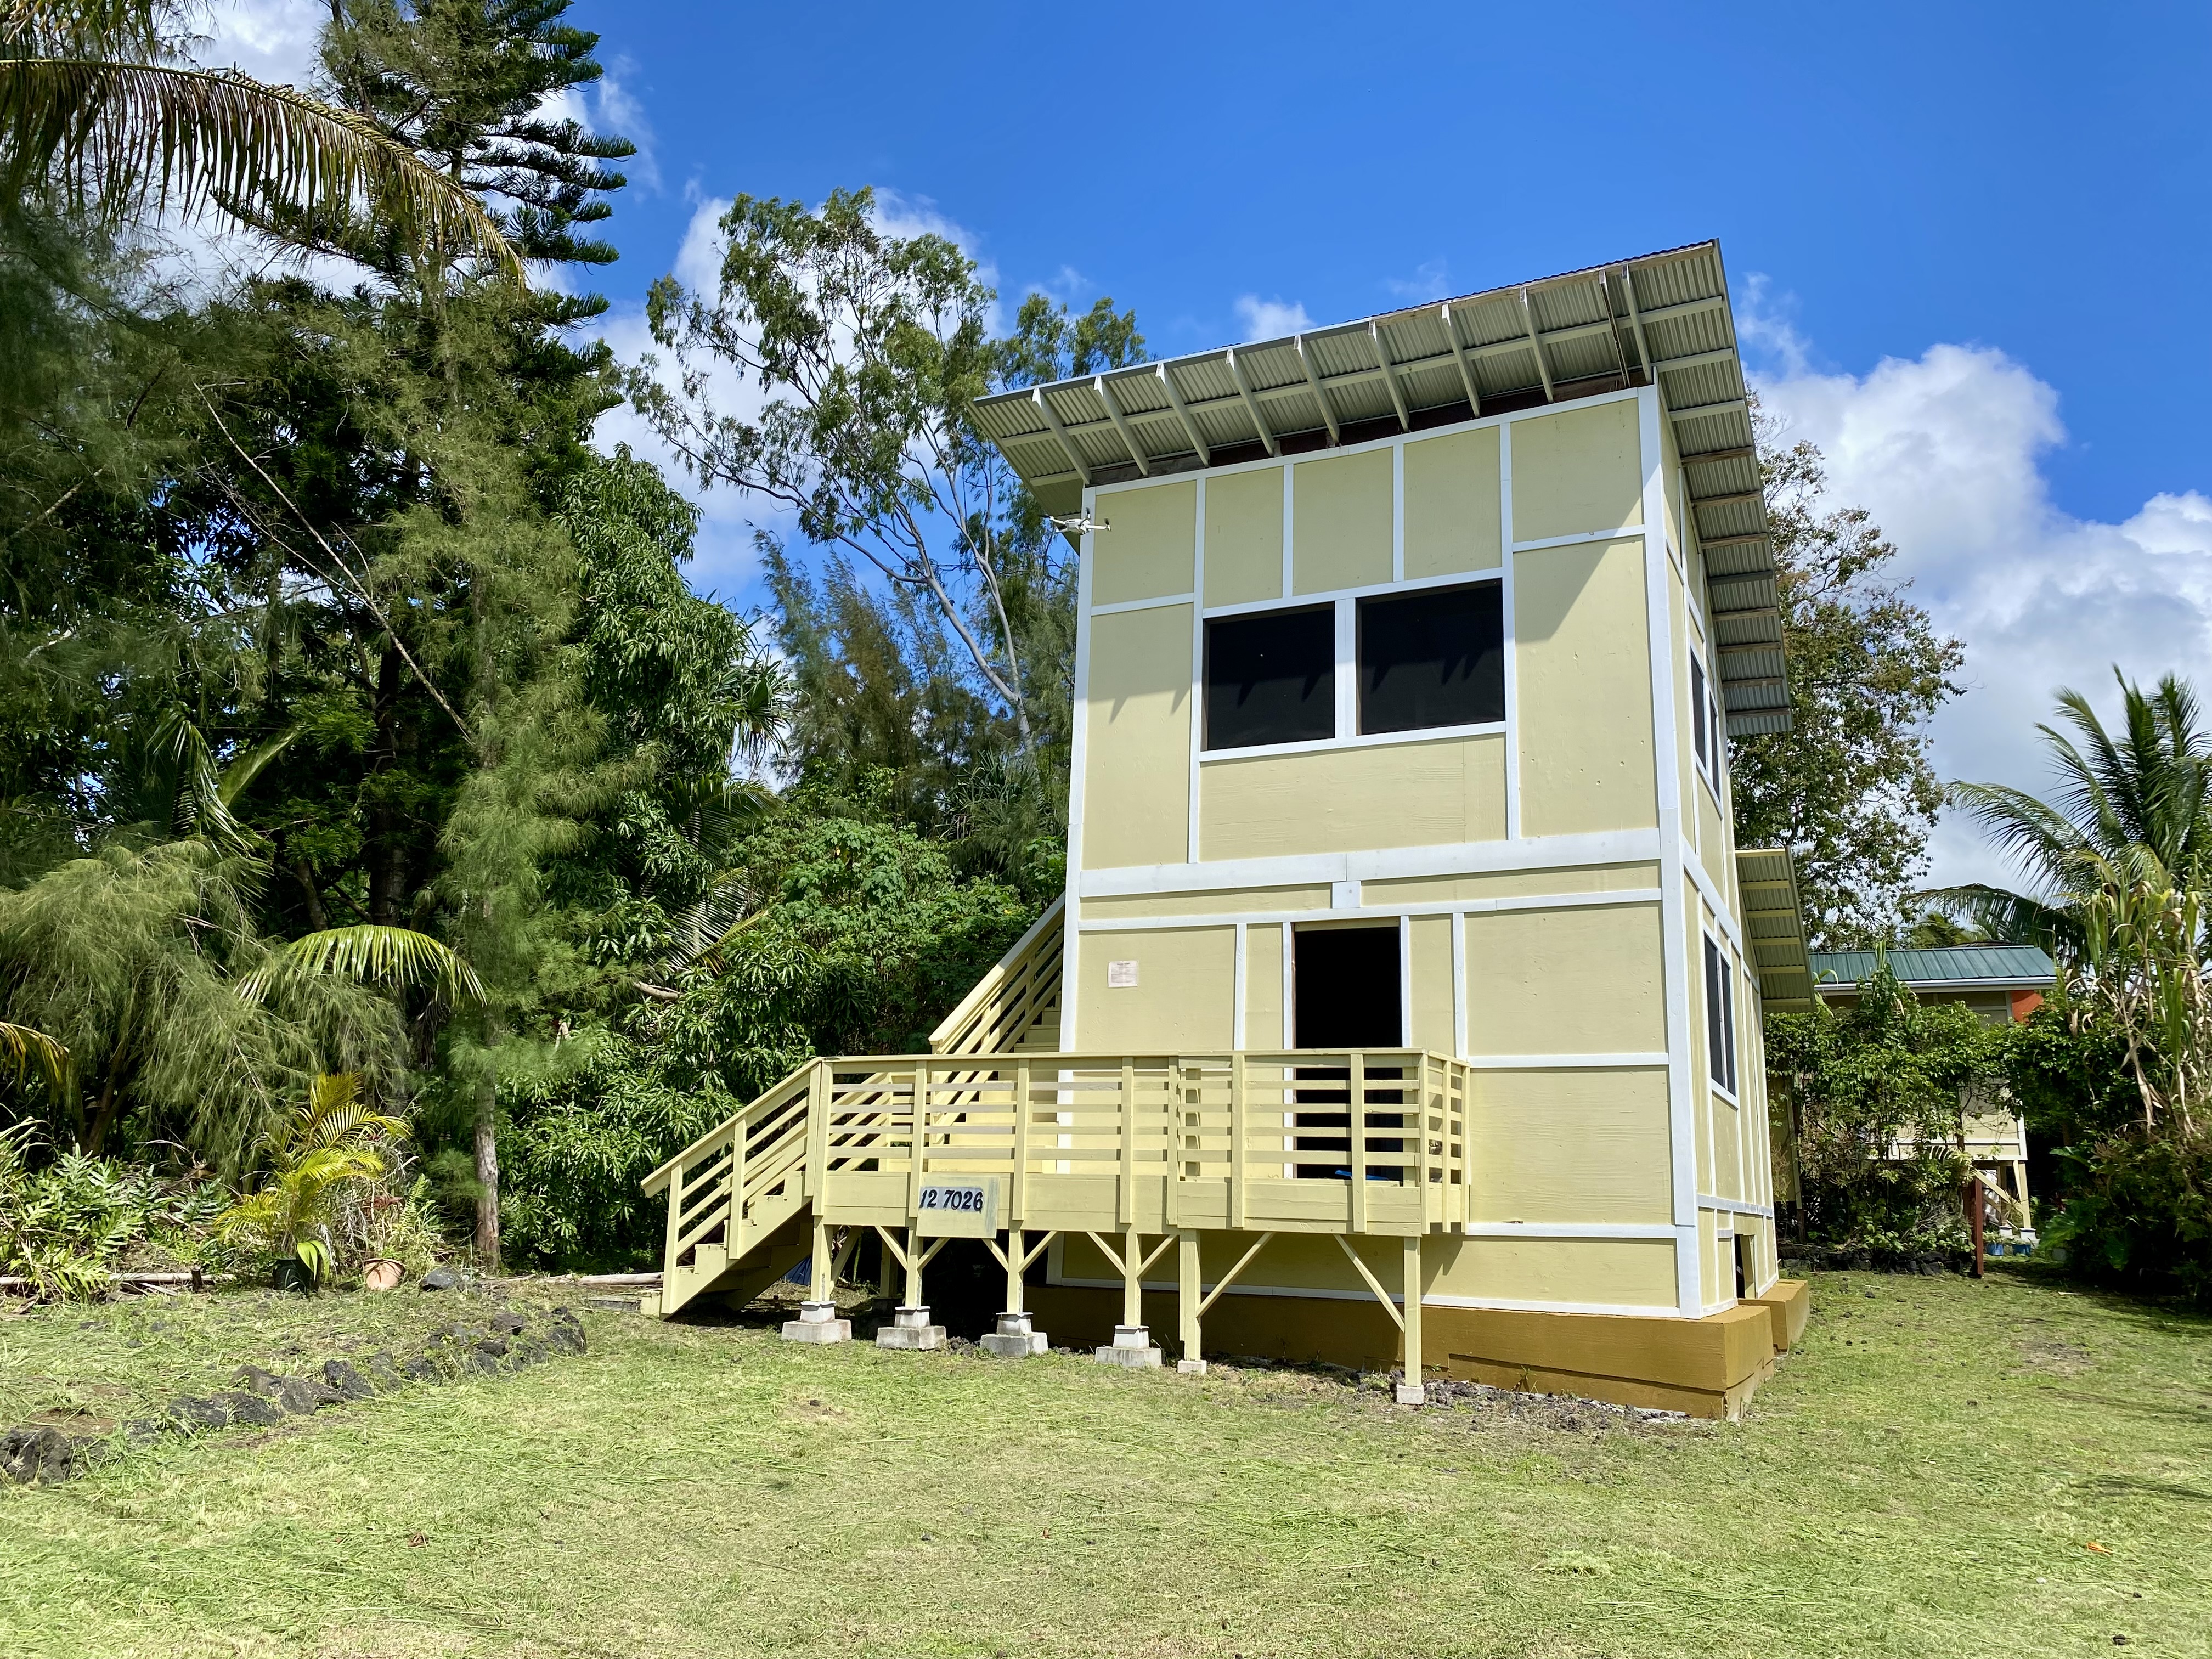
[958, 1209]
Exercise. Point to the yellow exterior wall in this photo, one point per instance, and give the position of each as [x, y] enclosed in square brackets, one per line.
[1713, 850]
[1451, 504]
[1182, 998]
[1670, 463]
[1577, 472]
[1136, 781]
[1263, 987]
[1148, 550]
[1244, 537]
[1340, 522]
[1727, 1166]
[1432, 983]
[1617, 1271]
[1513, 884]
[1566, 982]
[1582, 662]
[1678, 629]
[1573, 1145]
[1342, 800]
[1219, 904]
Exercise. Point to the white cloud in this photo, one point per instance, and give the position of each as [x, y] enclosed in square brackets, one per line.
[269, 40]
[1270, 320]
[1427, 283]
[1946, 451]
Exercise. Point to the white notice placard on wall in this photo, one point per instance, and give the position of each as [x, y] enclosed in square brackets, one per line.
[1121, 975]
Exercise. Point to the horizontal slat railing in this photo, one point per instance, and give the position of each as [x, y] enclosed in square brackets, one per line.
[1373, 1118]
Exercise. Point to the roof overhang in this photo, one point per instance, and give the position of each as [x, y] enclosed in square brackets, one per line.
[1663, 318]
[1774, 920]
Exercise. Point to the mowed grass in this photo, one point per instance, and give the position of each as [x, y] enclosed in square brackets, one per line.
[1926, 1475]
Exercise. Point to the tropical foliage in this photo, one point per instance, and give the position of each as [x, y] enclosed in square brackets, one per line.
[1877, 1093]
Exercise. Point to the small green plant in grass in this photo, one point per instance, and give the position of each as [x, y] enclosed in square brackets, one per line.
[316, 1153]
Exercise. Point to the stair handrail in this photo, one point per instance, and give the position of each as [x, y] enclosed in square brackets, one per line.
[975, 1026]
[751, 1112]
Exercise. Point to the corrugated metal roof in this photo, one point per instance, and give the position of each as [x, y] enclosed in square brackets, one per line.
[1774, 923]
[1951, 966]
[1660, 318]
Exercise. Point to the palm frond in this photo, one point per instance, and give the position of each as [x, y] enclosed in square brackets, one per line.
[23, 1051]
[2014, 918]
[238, 777]
[389, 955]
[130, 135]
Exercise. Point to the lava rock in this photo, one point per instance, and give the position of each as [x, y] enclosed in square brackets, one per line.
[442, 1278]
[383, 1373]
[188, 1412]
[250, 1408]
[422, 1369]
[40, 1454]
[345, 1381]
[298, 1396]
[508, 1322]
[142, 1433]
[565, 1334]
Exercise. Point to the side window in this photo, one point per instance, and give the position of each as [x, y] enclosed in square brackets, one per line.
[1720, 1016]
[1700, 723]
[1271, 677]
[1435, 658]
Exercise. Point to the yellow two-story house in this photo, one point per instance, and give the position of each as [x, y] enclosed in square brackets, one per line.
[1408, 977]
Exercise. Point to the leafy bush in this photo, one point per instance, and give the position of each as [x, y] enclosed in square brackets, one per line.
[68, 1226]
[2139, 1214]
[317, 1153]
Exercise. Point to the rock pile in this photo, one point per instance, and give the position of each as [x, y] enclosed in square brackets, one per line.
[504, 1341]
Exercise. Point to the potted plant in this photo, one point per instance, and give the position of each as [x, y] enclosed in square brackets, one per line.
[313, 1153]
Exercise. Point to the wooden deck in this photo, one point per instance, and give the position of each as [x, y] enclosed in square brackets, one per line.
[1005, 1147]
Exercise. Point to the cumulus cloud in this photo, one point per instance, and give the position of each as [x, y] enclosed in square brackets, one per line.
[1946, 450]
[1270, 320]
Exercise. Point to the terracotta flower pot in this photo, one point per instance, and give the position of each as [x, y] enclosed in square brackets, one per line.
[381, 1274]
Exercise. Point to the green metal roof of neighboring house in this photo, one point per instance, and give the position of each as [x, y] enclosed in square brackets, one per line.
[1953, 967]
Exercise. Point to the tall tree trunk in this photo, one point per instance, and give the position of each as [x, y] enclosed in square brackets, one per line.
[488, 1169]
[384, 856]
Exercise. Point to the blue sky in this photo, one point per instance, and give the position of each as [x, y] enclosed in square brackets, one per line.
[1969, 243]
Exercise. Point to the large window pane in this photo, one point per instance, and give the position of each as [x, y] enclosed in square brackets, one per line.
[1432, 659]
[1271, 677]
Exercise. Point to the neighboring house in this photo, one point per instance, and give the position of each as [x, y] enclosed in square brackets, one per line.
[1405, 980]
[2001, 983]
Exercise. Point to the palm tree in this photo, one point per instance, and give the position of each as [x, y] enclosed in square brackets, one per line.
[96, 108]
[2133, 807]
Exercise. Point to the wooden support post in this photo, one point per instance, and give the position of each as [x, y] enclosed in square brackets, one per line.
[675, 1224]
[1187, 1301]
[1015, 1262]
[1414, 1391]
[913, 1266]
[817, 1131]
[1236, 1138]
[1132, 1284]
[1126, 1212]
[1018, 1188]
[821, 1277]
[1356, 1123]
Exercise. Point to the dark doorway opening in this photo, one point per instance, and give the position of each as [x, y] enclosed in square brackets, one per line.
[1346, 995]
[1746, 1270]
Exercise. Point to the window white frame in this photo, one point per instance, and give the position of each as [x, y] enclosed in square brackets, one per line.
[1345, 603]
[1720, 1018]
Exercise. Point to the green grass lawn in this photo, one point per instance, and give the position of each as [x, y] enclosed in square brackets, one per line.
[1925, 1476]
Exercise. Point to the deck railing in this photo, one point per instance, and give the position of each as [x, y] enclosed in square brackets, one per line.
[1374, 1118]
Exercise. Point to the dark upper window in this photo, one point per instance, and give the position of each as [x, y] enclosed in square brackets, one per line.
[1436, 658]
[1720, 1016]
[1271, 677]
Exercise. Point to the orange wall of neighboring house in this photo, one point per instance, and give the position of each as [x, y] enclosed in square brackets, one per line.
[2025, 1003]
